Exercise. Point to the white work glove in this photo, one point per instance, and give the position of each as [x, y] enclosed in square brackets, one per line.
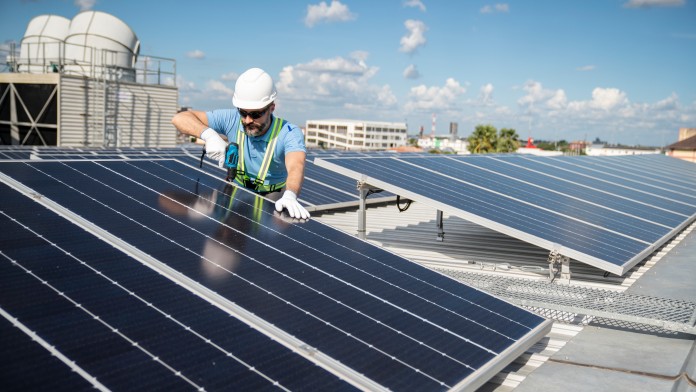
[290, 203]
[214, 146]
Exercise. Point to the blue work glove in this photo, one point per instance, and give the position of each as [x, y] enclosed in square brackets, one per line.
[290, 203]
[214, 146]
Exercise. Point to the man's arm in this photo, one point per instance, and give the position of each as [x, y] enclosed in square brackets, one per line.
[191, 122]
[195, 123]
[294, 164]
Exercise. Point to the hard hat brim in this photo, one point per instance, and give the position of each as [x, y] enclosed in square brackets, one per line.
[252, 105]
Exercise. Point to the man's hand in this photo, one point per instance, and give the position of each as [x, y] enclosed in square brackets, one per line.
[290, 203]
[214, 146]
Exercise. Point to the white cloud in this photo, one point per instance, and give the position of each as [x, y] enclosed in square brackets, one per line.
[486, 94]
[229, 76]
[415, 37]
[220, 88]
[558, 101]
[415, 3]
[427, 99]
[654, 3]
[489, 9]
[195, 54]
[185, 85]
[335, 82]
[586, 68]
[323, 13]
[360, 56]
[537, 96]
[85, 5]
[607, 98]
[669, 103]
[411, 72]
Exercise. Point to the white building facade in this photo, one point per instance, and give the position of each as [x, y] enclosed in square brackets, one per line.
[603, 150]
[459, 146]
[355, 134]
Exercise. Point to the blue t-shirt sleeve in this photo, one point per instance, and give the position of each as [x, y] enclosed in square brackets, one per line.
[294, 139]
[224, 121]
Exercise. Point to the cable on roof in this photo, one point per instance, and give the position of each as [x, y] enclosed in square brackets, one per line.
[398, 201]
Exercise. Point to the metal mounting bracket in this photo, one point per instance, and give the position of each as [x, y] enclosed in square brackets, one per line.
[559, 267]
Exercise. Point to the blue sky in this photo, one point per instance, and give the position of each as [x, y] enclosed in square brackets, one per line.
[621, 70]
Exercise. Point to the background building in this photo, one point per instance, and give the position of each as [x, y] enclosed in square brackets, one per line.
[445, 144]
[685, 148]
[83, 83]
[607, 150]
[355, 134]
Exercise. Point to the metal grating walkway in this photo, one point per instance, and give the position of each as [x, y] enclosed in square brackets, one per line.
[670, 314]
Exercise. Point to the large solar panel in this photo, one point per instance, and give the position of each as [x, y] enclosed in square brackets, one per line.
[151, 274]
[606, 212]
[322, 189]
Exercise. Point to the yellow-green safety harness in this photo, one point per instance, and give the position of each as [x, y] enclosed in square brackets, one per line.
[258, 184]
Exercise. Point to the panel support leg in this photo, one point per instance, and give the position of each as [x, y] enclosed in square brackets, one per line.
[362, 211]
[365, 190]
[440, 226]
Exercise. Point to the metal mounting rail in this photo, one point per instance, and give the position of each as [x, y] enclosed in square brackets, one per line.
[669, 314]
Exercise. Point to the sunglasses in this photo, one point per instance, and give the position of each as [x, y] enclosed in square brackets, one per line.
[255, 115]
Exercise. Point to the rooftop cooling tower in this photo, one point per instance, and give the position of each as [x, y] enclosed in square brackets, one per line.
[41, 47]
[101, 45]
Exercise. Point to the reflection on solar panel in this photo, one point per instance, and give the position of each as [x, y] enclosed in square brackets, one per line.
[609, 212]
[322, 188]
[149, 273]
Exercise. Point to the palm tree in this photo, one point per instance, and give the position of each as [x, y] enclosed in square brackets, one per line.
[508, 141]
[483, 140]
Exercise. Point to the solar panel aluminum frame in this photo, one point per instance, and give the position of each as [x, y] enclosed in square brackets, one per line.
[532, 239]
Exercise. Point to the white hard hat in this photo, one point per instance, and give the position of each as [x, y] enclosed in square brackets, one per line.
[254, 90]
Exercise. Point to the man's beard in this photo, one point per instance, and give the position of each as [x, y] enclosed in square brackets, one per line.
[255, 129]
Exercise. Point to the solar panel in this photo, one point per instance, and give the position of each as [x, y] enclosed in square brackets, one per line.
[118, 264]
[322, 189]
[579, 207]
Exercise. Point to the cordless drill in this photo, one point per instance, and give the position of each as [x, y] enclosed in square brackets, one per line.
[231, 160]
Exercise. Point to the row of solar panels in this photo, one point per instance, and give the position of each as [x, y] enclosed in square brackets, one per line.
[322, 189]
[145, 274]
[609, 212]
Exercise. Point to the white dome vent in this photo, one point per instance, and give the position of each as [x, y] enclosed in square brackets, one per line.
[99, 43]
[42, 46]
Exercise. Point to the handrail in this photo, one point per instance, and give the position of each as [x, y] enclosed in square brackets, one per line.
[148, 69]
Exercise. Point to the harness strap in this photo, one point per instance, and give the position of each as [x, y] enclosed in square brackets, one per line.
[258, 184]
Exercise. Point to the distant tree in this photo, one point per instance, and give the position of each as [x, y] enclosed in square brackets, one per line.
[483, 140]
[508, 140]
[413, 142]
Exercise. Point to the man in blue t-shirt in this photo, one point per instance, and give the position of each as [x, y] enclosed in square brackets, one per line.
[271, 150]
